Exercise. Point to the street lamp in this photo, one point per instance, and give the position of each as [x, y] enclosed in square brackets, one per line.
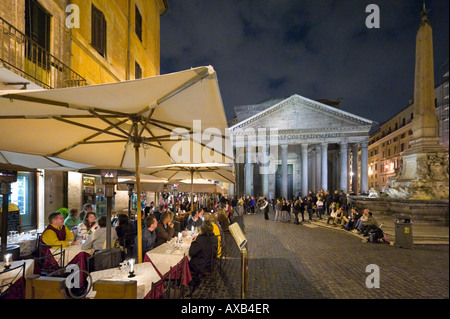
[110, 177]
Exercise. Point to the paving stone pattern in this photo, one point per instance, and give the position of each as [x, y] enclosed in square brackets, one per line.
[288, 261]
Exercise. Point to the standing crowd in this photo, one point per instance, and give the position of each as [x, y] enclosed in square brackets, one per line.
[322, 205]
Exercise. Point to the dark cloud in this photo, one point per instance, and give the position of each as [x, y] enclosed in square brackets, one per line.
[315, 48]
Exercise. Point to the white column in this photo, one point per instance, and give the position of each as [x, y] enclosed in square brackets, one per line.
[284, 171]
[325, 166]
[355, 148]
[318, 168]
[248, 171]
[364, 167]
[344, 167]
[304, 169]
[240, 174]
[265, 174]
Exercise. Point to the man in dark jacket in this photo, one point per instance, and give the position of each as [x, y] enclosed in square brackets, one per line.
[148, 236]
[265, 208]
[343, 201]
[164, 230]
[335, 199]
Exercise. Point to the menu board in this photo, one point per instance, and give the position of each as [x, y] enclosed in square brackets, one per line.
[14, 221]
[238, 235]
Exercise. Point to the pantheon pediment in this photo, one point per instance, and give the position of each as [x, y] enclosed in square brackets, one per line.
[300, 114]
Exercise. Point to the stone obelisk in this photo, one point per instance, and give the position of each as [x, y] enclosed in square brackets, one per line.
[424, 169]
[425, 123]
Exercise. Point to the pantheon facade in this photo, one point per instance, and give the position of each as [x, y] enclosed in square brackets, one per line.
[287, 147]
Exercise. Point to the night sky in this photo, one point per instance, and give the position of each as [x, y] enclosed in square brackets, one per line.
[320, 49]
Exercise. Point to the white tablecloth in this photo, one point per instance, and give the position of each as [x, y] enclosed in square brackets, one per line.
[169, 254]
[71, 252]
[26, 241]
[145, 275]
[6, 277]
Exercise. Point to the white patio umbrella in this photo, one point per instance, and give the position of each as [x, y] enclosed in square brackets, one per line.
[39, 162]
[130, 124]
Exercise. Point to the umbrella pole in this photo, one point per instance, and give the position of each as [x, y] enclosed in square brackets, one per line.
[138, 209]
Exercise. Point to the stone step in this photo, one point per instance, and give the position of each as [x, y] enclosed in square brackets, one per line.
[422, 235]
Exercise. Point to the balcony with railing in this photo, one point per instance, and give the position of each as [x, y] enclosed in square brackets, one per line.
[23, 56]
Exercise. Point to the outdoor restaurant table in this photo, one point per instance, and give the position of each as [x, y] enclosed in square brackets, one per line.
[75, 255]
[8, 276]
[26, 241]
[73, 251]
[145, 275]
[168, 254]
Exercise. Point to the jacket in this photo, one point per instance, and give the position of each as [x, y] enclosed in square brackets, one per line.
[371, 221]
[148, 242]
[163, 233]
[70, 222]
[97, 240]
[202, 251]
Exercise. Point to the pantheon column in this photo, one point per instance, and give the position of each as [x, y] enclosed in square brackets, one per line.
[248, 171]
[355, 148]
[344, 167]
[284, 171]
[239, 158]
[318, 167]
[364, 167]
[325, 166]
[264, 171]
[304, 170]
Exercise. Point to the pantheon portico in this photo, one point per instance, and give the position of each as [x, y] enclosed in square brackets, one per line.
[287, 147]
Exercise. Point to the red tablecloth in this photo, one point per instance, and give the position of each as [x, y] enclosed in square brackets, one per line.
[81, 259]
[179, 272]
[16, 290]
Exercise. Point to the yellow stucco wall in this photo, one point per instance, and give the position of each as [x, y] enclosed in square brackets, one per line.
[97, 69]
[385, 147]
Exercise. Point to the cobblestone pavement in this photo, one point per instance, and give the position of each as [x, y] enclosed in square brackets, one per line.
[288, 261]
